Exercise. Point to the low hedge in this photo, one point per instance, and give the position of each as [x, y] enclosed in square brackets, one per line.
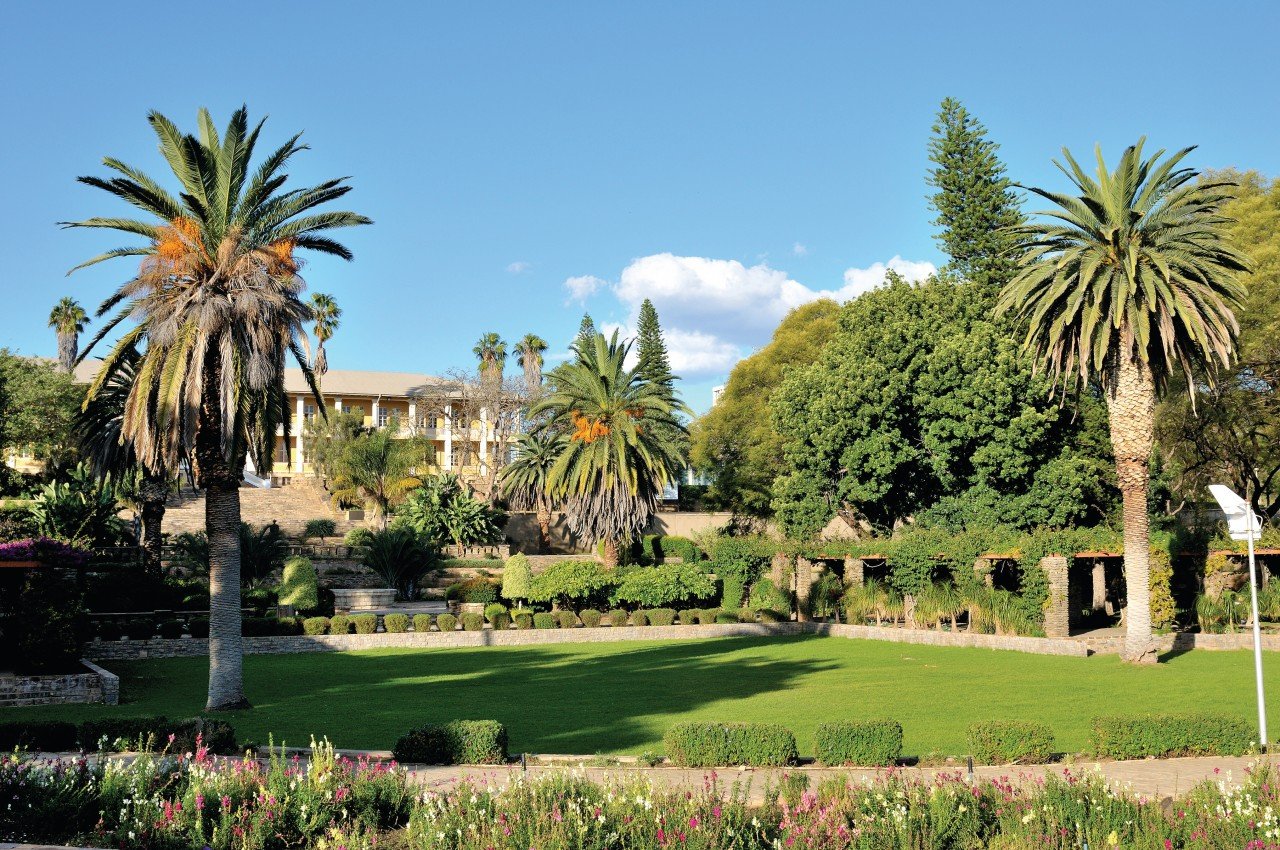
[458, 742]
[618, 618]
[198, 627]
[315, 625]
[746, 615]
[707, 616]
[446, 622]
[339, 624]
[422, 622]
[720, 744]
[47, 735]
[690, 617]
[662, 617]
[567, 619]
[472, 622]
[639, 618]
[865, 743]
[544, 620]
[524, 621]
[217, 735]
[1164, 735]
[396, 622]
[1010, 742]
[725, 617]
[366, 624]
[501, 622]
[170, 629]
[590, 618]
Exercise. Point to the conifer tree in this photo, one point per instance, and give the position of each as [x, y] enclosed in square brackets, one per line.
[586, 330]
[654, 363]
[975, 201]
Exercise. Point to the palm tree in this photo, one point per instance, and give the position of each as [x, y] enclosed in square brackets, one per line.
[98, 429]
[617, 458]
[325, 313]
[526, 481]
[378, 469]
[491, 351]
[216, 302]
[529, 352]
[1125, 283]
[68, 319]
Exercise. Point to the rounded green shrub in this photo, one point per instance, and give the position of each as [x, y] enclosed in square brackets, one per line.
[472, 622]
[298, 586]
[396, 622]
[517, 579]
[340, 624]
[315, 625]
[494, 609]
[446, 622]
[864, 743]
[618, 618]
[690, 617]
[366, 624]
[358, 536]
[707, 616]
[567, 619]
[524, 621]
[590, 618]
[723, 744]
[662, 617]
[170, 629]
[458, 742]
[640, 618]
[198, 627]
[746, 615]
[422, 622]
[544, 620]
[1010, 742]
[501, 622]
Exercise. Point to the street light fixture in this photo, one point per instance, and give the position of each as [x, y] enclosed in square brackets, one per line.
[1244, 524]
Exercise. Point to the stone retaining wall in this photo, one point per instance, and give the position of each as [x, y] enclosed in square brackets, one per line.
[190, 647]
[93, 686]
[1184, 642]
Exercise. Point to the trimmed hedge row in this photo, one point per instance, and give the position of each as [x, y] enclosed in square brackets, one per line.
[61, 736]
[1010, 742]
[719, 744]
[457, 742]
[1164, 735]
[866, 743]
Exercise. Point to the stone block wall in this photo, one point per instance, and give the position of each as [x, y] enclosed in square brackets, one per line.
[95, 685]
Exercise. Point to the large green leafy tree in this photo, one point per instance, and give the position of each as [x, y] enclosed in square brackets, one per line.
[526, 481]
[38, 402]
[736, 442]
[217, 310]
[620, 453]
[975, 200]
[68, 319]
[1231, 434]
[1129, 281]
[919, 401]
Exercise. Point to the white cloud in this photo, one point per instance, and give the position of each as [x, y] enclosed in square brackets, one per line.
[696, 353]
[519, 267]
[584, 286]
[799, 250]
[858, 281]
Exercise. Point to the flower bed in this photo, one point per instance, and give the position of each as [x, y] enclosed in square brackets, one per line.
[195, 800]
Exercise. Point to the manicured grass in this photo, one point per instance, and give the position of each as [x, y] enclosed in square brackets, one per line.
[621, 697]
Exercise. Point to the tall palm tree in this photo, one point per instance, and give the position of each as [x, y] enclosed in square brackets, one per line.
[98, 429]
[491, 351]
[1124, 284]
[216, 300]
[378, 469]
[618, 455]
[325, 313]
[526, 481]
[529, 352]
[68, 319]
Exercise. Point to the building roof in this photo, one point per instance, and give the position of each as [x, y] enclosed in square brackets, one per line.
[336, 383]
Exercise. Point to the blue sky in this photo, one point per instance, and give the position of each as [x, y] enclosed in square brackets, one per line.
[726, 159]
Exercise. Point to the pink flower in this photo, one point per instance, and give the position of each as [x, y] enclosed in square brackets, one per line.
[693, 822]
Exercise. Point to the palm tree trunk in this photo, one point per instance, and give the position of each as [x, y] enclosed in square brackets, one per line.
[544, 530]
[1131, 401]
[154, 491]
[610, 553]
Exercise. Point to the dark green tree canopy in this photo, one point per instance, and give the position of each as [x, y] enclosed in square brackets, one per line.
[975, 201]
[654, 364]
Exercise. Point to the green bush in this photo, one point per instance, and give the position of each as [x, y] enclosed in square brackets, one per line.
[170, 629]
[108, 630]
[524, 621]
[53, 736]
[340, 624]
[422, 622]
[472, 622]
[458, 742]
[446, 622]
[618, 618]
[315, 625]
[721, 744]
[1010, 741]
[298, 586]
[662, 617]
[669, 584]
[567, 619]
[570, 583]
[366, 624]
[198, 627]
[154, 731]
[590, 618]
[544, 620]
[477, 590]
[640, 618]
[651, 551]
[357, 536]
[732, 589]
[395, 622]
[706, 616]
[865, 743]
[501, 622]
[746, 615]
[494, 610]
[725, 617]
[402, 559]
[766, 596]
[680, 547]
[517, 580]
[258, 626]
[319, 528]
[1166, 735]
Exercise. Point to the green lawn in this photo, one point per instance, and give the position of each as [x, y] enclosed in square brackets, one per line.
[621, 697]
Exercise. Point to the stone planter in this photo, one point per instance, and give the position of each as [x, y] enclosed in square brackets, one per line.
[363, 598]
[471, 608]
[91, 684]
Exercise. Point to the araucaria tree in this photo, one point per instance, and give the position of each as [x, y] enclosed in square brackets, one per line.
[68, 320]
[526, 481]
[325, 315]
[619, 454]
[652, 363]
[976, 202]
[216, 302]
[1125, 283]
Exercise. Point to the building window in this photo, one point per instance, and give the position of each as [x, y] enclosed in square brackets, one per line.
[384, 417]
[308, 412]
[353, 408]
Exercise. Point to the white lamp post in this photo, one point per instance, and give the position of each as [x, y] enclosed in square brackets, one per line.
[1244, 524]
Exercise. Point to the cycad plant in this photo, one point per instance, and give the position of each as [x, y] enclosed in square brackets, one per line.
[68, 319]
[526, 480]
[1125, 283]
[619, 453]
[216, 307]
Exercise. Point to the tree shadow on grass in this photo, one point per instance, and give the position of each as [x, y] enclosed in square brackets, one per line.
[553, 698]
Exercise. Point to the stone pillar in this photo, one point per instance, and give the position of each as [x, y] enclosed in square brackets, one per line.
[448, 437]
[1057, 614]
[373, 413]
[413, 417]
[806, 572]
[1099, 576]
[854, 571]
[301, 421]
[909, 611]
[778, 571]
